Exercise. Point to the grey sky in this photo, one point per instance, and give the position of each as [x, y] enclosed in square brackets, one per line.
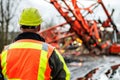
[48, 11]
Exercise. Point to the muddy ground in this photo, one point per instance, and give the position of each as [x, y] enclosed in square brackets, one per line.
[80, 65]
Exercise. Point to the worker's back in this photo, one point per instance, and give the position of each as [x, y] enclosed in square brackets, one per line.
[26, 59]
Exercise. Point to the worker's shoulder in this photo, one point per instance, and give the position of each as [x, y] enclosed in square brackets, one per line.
[47, 44]
[6, 47]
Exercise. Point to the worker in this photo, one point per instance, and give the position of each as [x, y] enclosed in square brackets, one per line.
[29, 57]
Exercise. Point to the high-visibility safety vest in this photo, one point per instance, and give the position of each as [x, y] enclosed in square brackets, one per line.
[26, 60]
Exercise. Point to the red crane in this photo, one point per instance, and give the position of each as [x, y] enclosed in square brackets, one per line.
[86, 30]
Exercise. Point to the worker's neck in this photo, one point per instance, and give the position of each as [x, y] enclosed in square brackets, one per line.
[30, 30]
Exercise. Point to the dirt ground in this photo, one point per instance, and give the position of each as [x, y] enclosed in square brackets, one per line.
[80, 65]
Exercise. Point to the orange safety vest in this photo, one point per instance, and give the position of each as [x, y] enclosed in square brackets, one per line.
[26, 60]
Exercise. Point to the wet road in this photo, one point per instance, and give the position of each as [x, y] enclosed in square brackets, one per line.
[88, 63]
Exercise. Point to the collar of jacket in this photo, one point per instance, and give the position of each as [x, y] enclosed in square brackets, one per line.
[29, 35]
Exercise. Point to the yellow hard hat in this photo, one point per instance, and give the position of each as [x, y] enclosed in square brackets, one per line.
[30, 17]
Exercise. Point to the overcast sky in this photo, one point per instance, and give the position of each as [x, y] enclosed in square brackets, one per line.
[48, 11]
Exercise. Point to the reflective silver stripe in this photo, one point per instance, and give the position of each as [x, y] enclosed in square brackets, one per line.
[45, 46]
[6, 47]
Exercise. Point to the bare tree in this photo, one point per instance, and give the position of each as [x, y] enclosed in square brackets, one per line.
[8, 9]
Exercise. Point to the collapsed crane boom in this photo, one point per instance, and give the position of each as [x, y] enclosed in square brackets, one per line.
[78, 24]
[86, 30]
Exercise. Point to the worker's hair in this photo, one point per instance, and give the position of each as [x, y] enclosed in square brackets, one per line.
[27, 27]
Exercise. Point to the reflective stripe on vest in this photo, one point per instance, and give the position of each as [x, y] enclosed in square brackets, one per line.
[40, 50]
[64, 66]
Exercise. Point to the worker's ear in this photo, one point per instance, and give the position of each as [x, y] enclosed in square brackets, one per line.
[21, 28]
[38, 28]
